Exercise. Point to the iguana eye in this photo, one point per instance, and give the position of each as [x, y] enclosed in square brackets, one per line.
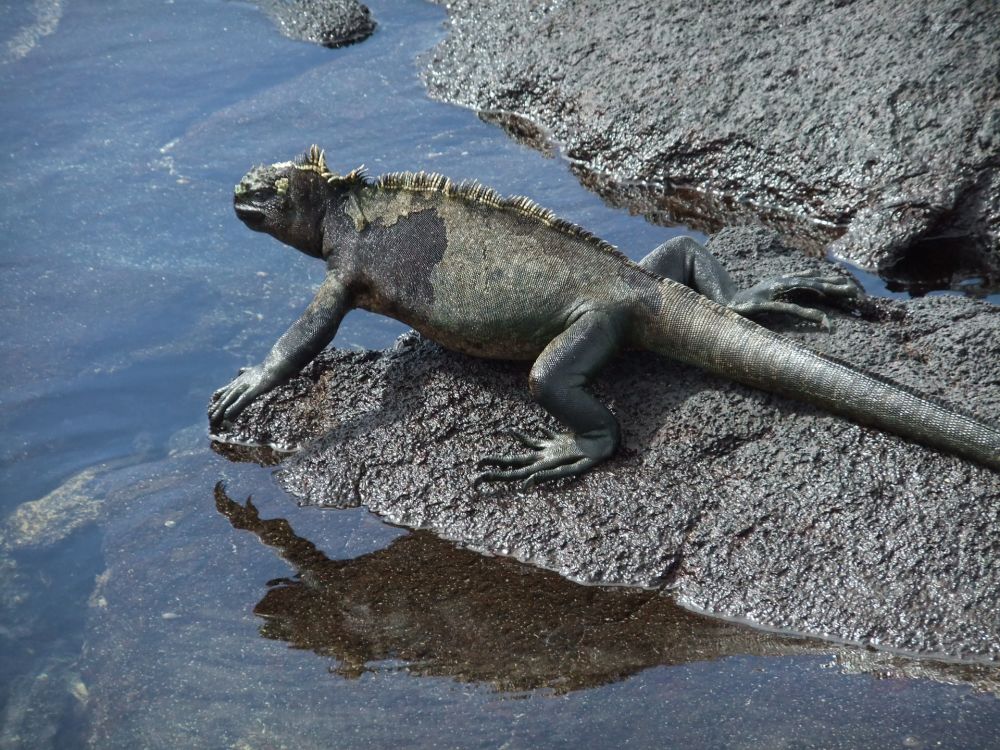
[281, 185]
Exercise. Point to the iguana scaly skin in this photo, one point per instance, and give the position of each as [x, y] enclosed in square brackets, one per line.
[504, 278]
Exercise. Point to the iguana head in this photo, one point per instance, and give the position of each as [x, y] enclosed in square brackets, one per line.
[288, 200]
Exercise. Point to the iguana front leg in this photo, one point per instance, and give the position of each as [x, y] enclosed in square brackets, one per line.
[294, 350]
[557, 382]
[684, 260]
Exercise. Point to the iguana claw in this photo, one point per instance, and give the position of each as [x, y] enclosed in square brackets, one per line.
[555, 456]
[768, 295]
[229, 401]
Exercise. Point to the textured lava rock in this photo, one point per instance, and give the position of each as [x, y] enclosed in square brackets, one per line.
[332, 23]
[743, 504]
[875, 122]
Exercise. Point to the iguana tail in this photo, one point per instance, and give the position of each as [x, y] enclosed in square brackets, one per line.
[693, 329]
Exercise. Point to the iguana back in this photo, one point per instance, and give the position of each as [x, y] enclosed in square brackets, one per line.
[478, 273]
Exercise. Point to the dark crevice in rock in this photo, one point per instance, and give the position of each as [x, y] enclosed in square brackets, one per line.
[954, 249]
[521, 129]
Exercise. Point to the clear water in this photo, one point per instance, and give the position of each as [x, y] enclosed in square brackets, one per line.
[130, 292]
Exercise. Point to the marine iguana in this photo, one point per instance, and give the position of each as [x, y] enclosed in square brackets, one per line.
[505, 278]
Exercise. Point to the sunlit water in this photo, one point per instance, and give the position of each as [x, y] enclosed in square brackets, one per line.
[131, 292]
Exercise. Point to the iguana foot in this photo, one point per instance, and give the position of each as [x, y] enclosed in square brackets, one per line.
[685, 261]
[557, 455]
[765, 296]
[557, 381]
[229, 401]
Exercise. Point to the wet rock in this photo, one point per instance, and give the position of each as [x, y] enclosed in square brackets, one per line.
[741, 503]
[332, 23]
[871, 126]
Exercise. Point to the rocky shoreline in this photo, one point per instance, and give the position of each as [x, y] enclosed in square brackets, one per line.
[871, 129]
[841, 134]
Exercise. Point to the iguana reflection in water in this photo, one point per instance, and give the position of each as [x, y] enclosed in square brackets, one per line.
[444, 611]
[433, 609]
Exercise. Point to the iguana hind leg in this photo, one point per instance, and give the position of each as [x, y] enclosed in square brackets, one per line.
[684, 260]
[557, 383]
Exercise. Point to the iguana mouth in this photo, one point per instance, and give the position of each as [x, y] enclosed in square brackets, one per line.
[251, 215]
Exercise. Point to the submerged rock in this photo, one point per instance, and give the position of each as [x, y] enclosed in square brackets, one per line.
[45, 521]
[741, 503]
[37, 525]
[874, 126]
[332, 23]
[24, 25]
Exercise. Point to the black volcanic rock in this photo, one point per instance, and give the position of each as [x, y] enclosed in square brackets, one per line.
[332, 23]
[872, 126]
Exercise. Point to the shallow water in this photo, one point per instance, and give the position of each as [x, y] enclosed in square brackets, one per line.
[131, 292]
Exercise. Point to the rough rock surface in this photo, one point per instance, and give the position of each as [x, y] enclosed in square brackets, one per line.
[743, 504]
[876, 122]
[332, 23]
